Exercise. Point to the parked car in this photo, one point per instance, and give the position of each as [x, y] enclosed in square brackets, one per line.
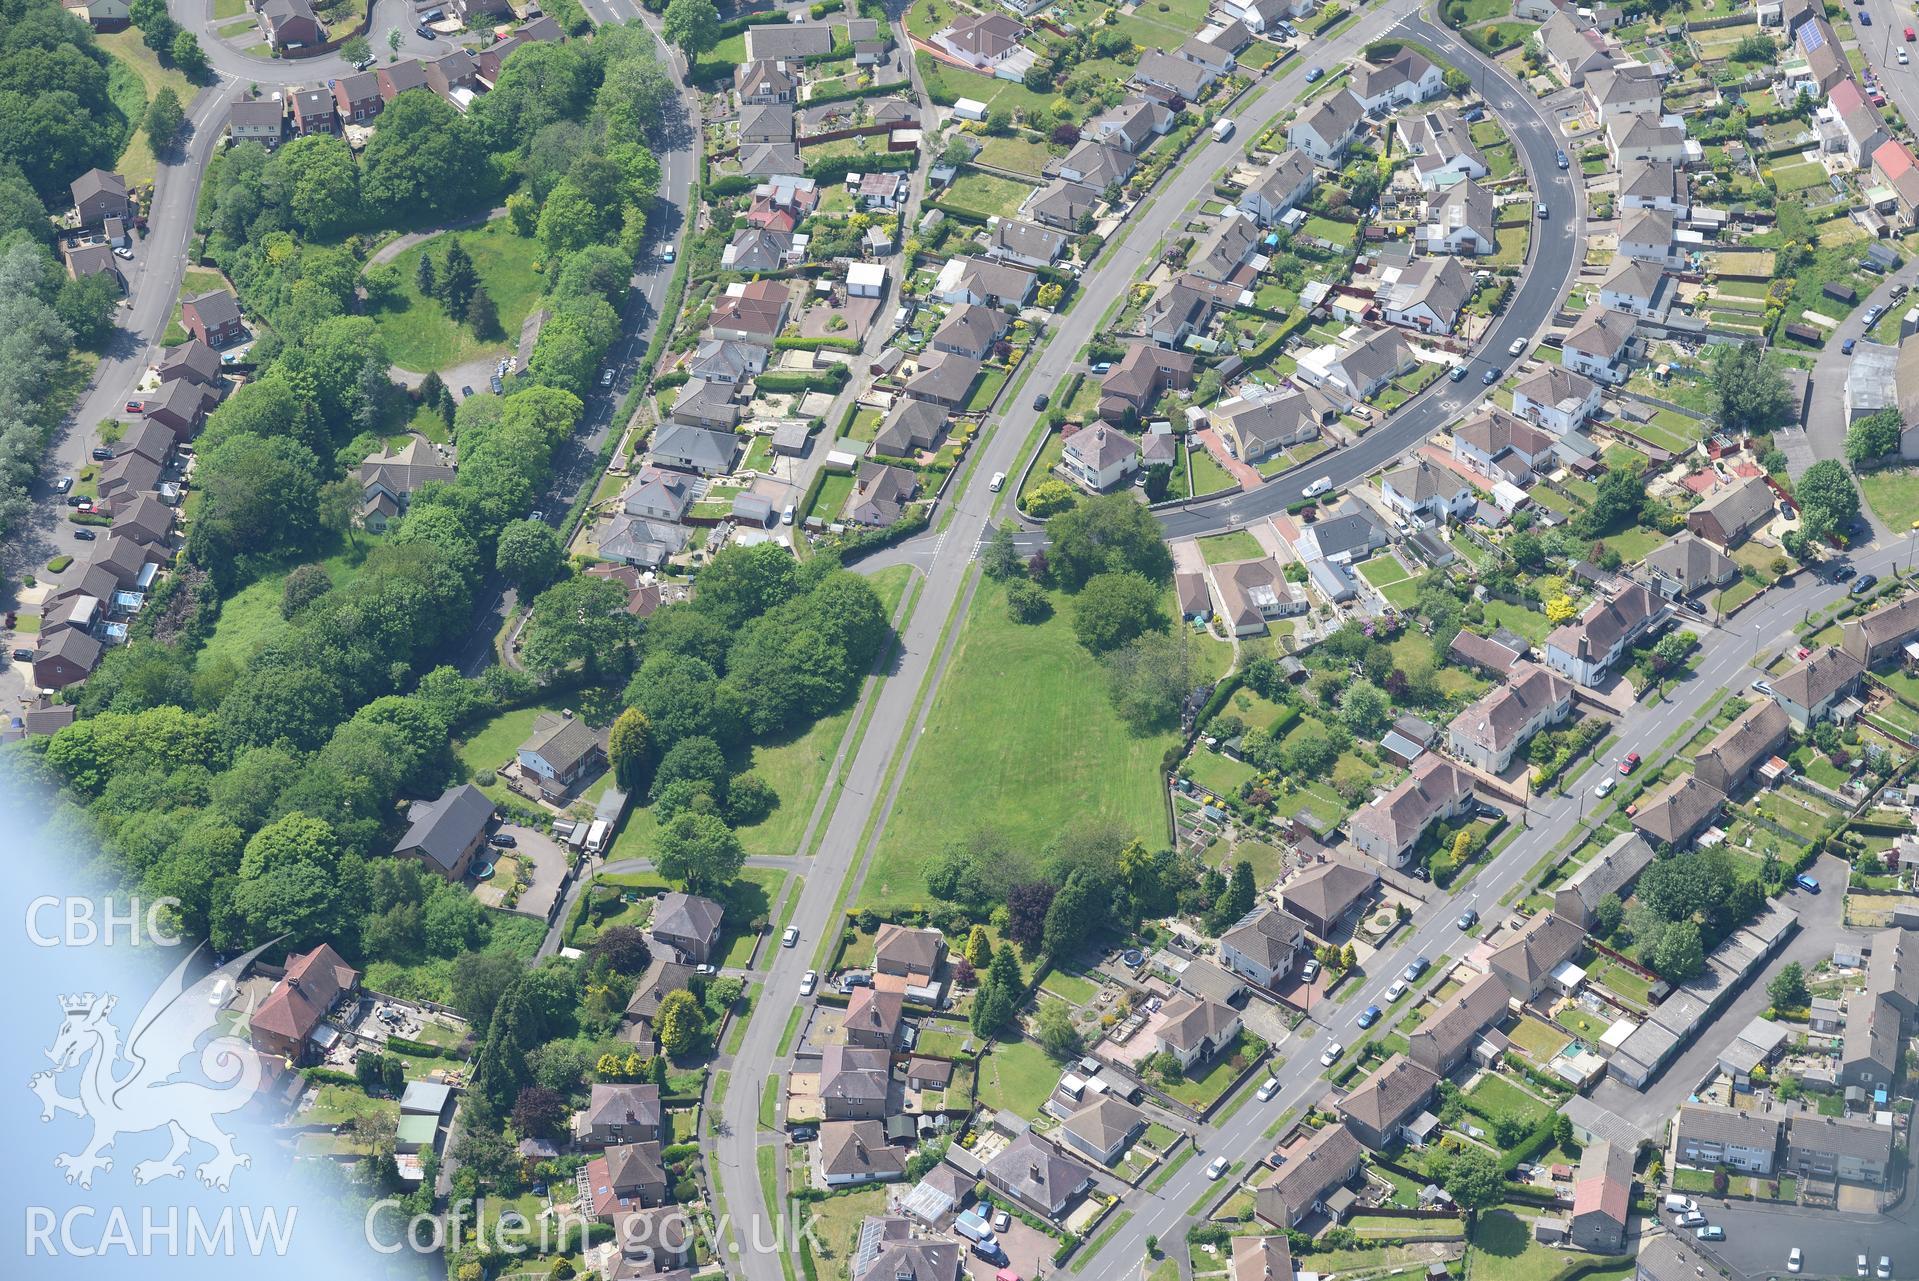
[606, 377]
[1369, 1016]
[1863, 584]
[121, 251]
[23, 655]
[1712, 1232]
[1873, 313]
[809, 981]
[1419, 966]
[791, 936]
[1676, 1204]
[1517, 347]
[786, 514]
[1796, 1260]
[1309, 971]
[1317, 488]
[62, 485]
[1267, 1089]
[1397, 990]
[1542, 210]
[101, 454]
[1691, 1219]
[1467, 919]
[1605, 787]
[1847, 346]
[1216, 1168]
[85, 535]
[1331, 1056]
[1807, 883]
[1458, 374]
[1860, 1268]
[1039, 401]
[1002, 1221]
[1313, 74]
[425, 32]
[498, 384]
[1885, 1267]
[502, 841]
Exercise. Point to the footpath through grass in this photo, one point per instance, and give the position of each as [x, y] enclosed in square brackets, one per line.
[419, 334]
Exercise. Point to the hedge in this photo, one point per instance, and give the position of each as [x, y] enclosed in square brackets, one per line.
[829, 170]
[329, 1076]
[419, 1049]
[816, 344]
[831, 378]
[850, 546]
[857, 91]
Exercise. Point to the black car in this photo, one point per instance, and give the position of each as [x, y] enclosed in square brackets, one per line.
[1039, 401]
[74, 500]
[1843, 574]
[85, 535]
[1863, 584]
[23, 656]
[501, 841]
[498, 384]
[425, 32]
[101, 454]
[465, 392]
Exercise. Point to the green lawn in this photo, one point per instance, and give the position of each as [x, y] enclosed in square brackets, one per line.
[134, 77]
[1208, 476]
[251, 616]
[1020, 154]
[1530, 623]
[1503, 1098]
[494, 742]
[421, 336]
[987, 194]
[831, 499]
[796, 768]
[1021, 736]
[1017, 1077]
[1894, 495]
[1383, 570]
[1503, 1248]
[1237, 545]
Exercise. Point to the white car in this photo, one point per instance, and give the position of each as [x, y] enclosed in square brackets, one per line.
[809, 981]
[1317, 488]
[1331, 1056]
[1517, 347]
[1216, 1167]
[1397, 990]
[1862, 1269]
[999, 479]
[1268, 1088]
[222, 989]
[1762, 687]
[1903, 59]
[1795, 1260]
[1604, 789]
[1309, 971]
[121, 251]
[791, 936]
[1693, 1218]
[1885, 1260]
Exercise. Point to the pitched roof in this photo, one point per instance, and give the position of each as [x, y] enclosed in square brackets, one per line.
[970, 327]
[312, 983]
[1394, 1092]
[1459, 1021]
[1853, 1136]
[216, 307]
[1105, 1123]
[1440, 284]
[1601, 333]
[688, 916]
[1663, 1258]
[871, 1010]
[1823, 673]
[636, 1105]
[918, 950]
[562, 741]
[1036, 1171]
[1336, 116]
[442, 829]
[1651, 180]
[1676, 810]
[1611, 870]
[1262, 1259]
[944, 375]
[1319, 1165]
[1555, 385]
[1493, 432]
[1098, 446]
[908, 1257]
[1263, 419]
[1328, 891]
[851, 1148]
[880, 493]
[191, 356]
[1398, 815]
[406, 469]
[1894, 967]
[1267, 935]
[1539, 948]
[1604, 1183]
[1594, 633]
[1889, 623]
[1496, 720]
[1189, 1021]
[1407, 66]
[1739, 507]
[1484, 651]
[913, 424]
[1716, 1123]
[1690, 561]
[852, 1074]
[1754, 733]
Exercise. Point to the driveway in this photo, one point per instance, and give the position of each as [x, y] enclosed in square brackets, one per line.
[548, 860]
[1759, 1236]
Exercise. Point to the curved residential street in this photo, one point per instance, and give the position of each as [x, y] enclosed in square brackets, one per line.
[945, 553]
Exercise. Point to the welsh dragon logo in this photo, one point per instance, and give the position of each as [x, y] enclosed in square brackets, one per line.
[145, 1085]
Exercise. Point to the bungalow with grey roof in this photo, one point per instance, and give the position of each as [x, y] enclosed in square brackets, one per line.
[1065, 204]
[692, 447]
[1321, 896]
[1729, 516]
[1194, 1029]
[1132, 125]
[1026, 244]
[942, 378]
[704, 404]
[1883, 632]
[851, 1153]
[1136, 381]
[1038, 1176]
[969, 331]
[1294, 1192]
[1173, 76]
[1254, 592]
[880, 494]
[1103, 1128]
[1687, 565]
[912, 426]
[1258, 424]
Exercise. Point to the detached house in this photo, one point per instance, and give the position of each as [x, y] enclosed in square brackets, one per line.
[1261, 947]
[357, 98]
[561, 753]
[1654, 184]
[1390, 825]
[1426, 493]
[1258, 424]
[1647, 235]
[1099, 457]
[762, 81]
[1253, 592]
[1038, 1176]
[1443, 149]
[213, 318]
[1323, 895]
[390, 478]
[446, 832]
[1572, 52]
[1501, 447]
[312, 984]
[689, 924]
[1408, 76]
[986, 42]
[1492, 730]
[1687, 565]
[1132, 125]
[288, 24]
[1426, 294]
[1280, 186]
[1171, 77]
[851, 1153]
[1103, 1128]
[1194, 1029]
[1734, 512]
[1135, 383]
[1556, 398]
[880, 494]
[99, 195]
[1600, 345]
[627, 1176]
[619, 1114]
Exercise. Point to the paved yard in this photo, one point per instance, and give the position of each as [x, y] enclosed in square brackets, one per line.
[548, 860]
[1760, 1235]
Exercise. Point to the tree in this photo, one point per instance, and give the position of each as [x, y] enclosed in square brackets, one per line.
[1026, 908]
[1873, 437]
[1106, 534]
[356, 50]
[1000, 558]
[1752, 393]
[680, 1023]
[623, 948]
[1826, 488]
[691, 26]
[1112, 608]
[699, 852]
[1055, 1031]
[1364, 708]
[1606, 916]
[629, 749]
[582, 620]
[1560, 608]
[482, 317]
[1471, 1177]
[749, 800]
[1788, 988]
[424, 277]
[1150, 678]
[305, 584]
[979, 948]
[1671, 650]
[393, 39]
[1680, 953]
[1027, 601]
[458, 279]
[538, 1111]
[164, 119]
[189, 56]
[529, 555]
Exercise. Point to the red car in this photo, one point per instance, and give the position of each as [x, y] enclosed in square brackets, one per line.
[135, 406]
[1911, 34]
[1630, 763]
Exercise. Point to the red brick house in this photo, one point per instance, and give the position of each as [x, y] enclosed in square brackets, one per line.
[312, 985]
[214, 318]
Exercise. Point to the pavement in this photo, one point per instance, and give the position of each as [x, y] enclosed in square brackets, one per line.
[1760, 1235]
[945, 553]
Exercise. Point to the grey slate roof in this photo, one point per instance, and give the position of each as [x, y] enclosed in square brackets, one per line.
[441, 829]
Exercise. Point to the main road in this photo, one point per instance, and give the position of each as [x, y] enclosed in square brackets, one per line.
[898, 711]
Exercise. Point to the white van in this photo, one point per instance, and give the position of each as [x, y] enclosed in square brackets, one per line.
[1676, 1204]
[1222, 129]
[1317, 488]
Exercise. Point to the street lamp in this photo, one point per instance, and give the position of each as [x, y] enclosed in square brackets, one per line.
[1910, 535]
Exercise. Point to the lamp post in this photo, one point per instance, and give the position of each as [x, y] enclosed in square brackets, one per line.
[1912, 535]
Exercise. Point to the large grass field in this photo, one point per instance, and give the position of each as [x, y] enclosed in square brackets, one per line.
[251, 616]
[987, 194]
[1021, 736]
[136, 75]
[1894, 495]
[421, 336]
